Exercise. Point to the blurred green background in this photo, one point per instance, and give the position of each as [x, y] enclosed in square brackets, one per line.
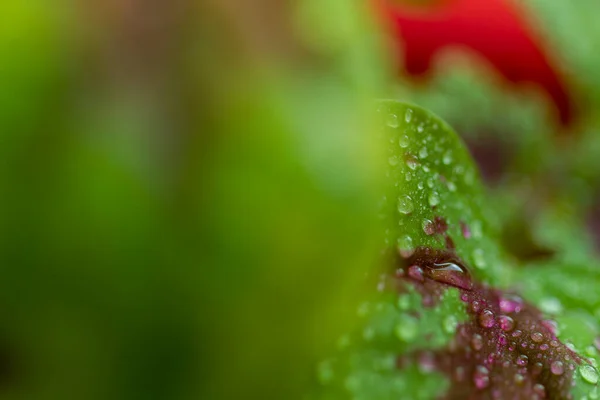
[189, 191]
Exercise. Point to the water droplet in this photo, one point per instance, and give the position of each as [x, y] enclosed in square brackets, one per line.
[408, 115]
[430, 183]
[392, 120]
[475, 306]
[404, 141]
[451, 186]
[519, 379]
[447, 159]
[393, 161]
[481, 377]
[420, 128]
[434, 199]
[405, 246]
[589, 374]
[486, 319]
[416, 272]
[479, 259]
[407, 328]
[539, 389]
[449, 324]
[522, 360]
[537, 368]
[423, 153]
[405, 205]
[544, 347]
[537, 337]
[557, 368]
[511, 304]
[517, 333]
[411, 163]
[477, 342]
[451, 273]
[506, 323]
[408, 176]
[420, 185]
[428, 227]
[554, 343]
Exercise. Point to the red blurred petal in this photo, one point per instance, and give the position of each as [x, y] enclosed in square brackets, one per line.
[492, 28]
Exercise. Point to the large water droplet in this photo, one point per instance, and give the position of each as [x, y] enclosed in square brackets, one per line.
[405, 205]
[451, 273]
[589, 374]
[392, 120]
[408, 115]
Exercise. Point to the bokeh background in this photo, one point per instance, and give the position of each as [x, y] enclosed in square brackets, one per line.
[188, 190]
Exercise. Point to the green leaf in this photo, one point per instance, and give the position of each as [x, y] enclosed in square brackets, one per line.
[435, 200]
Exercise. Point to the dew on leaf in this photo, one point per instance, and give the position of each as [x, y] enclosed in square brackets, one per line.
[589, 374]
[393, 161]
[408, 115]
[449, 324]
[451, 273]
[392, 120]
[416, 272]
[423, 153]
[522, 360]
[447, 158]
[405, 246]
[434, 199]
[404, 141]
[506, 323]
[428, 227]
[405, 205]
[537, 337]
[557, 368]
[486, 319]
